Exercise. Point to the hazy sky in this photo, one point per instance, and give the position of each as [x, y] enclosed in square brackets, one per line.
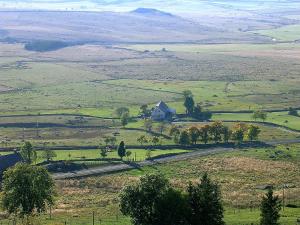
[166, 5]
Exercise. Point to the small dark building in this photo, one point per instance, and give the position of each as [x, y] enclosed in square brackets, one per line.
[7, 161]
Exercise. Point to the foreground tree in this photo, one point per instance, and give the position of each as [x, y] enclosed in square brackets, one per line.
[270, 208]
[27, 190]
[121, 150]
[205, 203]
[153, 202]
[28, 153]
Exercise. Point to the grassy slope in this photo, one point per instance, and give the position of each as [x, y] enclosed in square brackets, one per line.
[280, 118]
[285, 33]
[238, 173]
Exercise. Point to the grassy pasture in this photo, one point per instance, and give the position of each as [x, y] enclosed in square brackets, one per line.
[238, 173]
[281, 118]
[285, 33]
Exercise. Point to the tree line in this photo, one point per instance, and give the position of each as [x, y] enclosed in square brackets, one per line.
[217, 132]
[153, 201]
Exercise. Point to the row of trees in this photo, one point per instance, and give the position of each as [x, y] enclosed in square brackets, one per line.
[155, 202]
[216, 132]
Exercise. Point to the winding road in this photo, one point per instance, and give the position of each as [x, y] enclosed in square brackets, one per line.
[123, 167]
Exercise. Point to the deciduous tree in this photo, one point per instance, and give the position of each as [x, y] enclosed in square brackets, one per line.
[28, 153]
[27, 190]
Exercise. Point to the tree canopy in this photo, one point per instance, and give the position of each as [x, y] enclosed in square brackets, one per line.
[27, 190]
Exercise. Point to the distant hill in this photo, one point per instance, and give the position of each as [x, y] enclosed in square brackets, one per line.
[149, 11]
[141, 25]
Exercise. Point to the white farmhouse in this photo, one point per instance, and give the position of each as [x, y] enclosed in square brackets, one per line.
[162, 112]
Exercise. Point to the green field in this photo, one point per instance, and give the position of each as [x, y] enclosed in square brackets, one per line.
[239, 173]
[285, 33]
[280, 118]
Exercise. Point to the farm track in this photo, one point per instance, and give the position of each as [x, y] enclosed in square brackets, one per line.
[130, 165]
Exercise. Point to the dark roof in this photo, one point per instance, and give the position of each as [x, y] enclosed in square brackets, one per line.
[10, 160]
[163, 107]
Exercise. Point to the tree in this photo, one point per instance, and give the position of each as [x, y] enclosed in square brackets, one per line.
[189, 105]
[205, 203]
[28, 153]
[204, 133]
[121, 150]
[226, 134]
[148, 154]
[155, 140]
[48, 154]
[120, 111]
[194, 134]
[216, 130]
[187, 93]
[153, 202]
[148, 124]
[175, 132]
[253, 132]
[201, 115]
[238, 134]
[103, 152]
[270, 208]
[259, 115]
[124, 119]
[142, 139]
[144, 110]
[27, 189]
[184, 138]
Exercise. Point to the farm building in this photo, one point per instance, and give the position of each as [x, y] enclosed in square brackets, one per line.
[7, 161]
[162, 112]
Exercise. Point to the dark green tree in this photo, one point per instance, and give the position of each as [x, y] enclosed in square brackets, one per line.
[153, 202]
[28, 153]
[189, 105]
[122, 150]
[205, 203]
[27, 190]
[270, 208]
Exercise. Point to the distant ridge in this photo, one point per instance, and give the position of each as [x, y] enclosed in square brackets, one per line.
[150, 11]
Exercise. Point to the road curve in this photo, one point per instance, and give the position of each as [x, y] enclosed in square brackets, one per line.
[179, 157]
[123, 167]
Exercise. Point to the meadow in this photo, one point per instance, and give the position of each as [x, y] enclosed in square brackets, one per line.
[61, 99]
[240, 173]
